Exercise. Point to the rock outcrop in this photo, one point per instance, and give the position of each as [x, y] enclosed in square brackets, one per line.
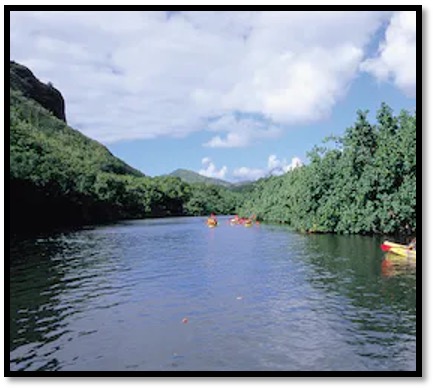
[50, 98]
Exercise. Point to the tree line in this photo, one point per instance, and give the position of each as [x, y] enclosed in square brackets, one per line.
[361, 183]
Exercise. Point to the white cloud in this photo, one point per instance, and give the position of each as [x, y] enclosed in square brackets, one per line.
[232, 140]
[396, 60]
[296, 163]
[274, 167]
[277, 167]
[245, 173]
[210, 170]
[273, 162]
[240, 132]
[136, 75]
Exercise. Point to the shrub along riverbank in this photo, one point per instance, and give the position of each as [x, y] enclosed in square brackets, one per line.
[363, 182]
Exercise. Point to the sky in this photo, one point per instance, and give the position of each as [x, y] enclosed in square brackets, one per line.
[231, 95]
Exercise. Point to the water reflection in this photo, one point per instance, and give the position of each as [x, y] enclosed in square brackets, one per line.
[34, 306]
[113, 298]
[41, 271]
[393, 265]
[379, 309]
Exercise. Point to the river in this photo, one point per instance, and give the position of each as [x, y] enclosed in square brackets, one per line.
[173, 294]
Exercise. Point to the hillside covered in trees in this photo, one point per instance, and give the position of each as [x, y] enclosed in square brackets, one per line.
[363, 182]
[59, 177]
[191, 177]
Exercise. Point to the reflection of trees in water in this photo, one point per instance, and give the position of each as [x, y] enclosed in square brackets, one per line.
[351, 267]
[37, 278]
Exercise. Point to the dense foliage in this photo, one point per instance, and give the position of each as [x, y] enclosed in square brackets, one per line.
[363, 182]
[59, 177]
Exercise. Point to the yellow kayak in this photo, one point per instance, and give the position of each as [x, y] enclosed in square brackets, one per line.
[248, 224]
[394, 244]
[400, 250]
[404, 252]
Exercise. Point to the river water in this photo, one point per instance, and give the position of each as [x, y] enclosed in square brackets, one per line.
[173, 294]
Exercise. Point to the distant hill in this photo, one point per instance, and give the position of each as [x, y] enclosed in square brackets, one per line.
[243, 186]
[192, 177]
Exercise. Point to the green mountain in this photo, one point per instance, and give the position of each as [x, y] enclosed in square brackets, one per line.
[61, 178]
[192, 177]
[57, 175]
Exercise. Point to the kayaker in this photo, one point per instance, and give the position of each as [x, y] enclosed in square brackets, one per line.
[212, 219]
[412, 245]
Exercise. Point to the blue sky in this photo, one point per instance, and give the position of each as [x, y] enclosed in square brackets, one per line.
[229, 95]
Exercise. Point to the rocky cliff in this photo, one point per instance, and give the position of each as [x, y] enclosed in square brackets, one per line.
[50, 98]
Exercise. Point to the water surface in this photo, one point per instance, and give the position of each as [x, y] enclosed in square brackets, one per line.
[261, 298]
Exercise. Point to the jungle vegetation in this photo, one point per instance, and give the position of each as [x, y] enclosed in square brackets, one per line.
[363, 182]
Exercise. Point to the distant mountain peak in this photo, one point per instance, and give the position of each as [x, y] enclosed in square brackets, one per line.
[191, 177]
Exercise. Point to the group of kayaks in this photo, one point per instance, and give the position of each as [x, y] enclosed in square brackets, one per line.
[405, 251]
[247, 222]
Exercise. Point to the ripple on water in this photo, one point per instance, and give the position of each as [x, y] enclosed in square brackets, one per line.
[113, 298]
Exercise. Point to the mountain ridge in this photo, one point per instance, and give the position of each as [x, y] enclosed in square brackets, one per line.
[191, 177]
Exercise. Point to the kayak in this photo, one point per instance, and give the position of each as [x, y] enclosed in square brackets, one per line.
[212, 223]
[248, 224]
[400, 250]
[394, 244]
[399, 260]
[404, 252]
